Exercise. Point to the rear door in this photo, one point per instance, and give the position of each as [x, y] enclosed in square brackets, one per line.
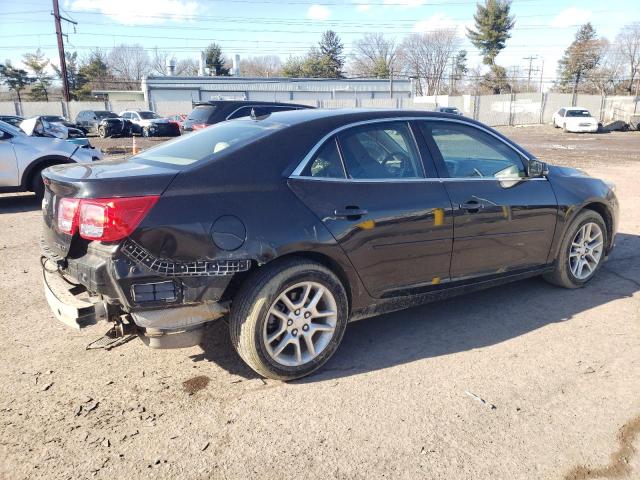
[503, 221]
[368, 186]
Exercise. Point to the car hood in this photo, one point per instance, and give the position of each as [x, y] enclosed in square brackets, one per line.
[567, 171]
[46, 145]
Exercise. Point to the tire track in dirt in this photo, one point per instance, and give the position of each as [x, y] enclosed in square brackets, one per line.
[619, 466]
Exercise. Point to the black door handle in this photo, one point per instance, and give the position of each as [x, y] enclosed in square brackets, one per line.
[471, 206]
[350, 213]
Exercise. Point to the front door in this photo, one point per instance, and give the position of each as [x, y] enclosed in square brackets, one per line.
[8, 164]
[503, 221]
[368, 186]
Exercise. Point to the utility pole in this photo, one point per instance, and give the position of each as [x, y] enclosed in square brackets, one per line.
[63, 61]
[531, 58]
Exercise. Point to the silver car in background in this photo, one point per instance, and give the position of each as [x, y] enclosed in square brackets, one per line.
[23, 157]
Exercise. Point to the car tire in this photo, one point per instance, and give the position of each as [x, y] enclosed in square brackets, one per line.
[251, 323]
[37, 184]
[102, 131]
[145, 132]
[564, 274]
[564, 128]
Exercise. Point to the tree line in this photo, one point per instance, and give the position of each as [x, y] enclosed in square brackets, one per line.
[434, 60]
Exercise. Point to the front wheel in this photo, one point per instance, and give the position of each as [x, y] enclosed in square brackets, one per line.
[102, 131]
[145, 132]
[37, 185]
[288, 319]
[582, 251]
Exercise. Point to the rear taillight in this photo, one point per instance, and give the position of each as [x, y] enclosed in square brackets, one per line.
[68, 215]
[105, 219]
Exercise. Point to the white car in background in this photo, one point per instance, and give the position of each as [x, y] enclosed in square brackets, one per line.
[23, 157]
[150, 124]
[575, 119]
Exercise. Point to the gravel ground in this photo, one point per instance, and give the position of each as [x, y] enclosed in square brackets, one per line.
[525, 381]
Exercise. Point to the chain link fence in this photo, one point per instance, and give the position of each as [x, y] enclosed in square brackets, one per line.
[493, 110]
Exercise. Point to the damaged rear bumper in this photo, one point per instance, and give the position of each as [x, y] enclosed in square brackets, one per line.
[177, 327]
[71, 304]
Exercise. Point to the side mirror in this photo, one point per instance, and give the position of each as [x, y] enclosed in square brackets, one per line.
[536, 168]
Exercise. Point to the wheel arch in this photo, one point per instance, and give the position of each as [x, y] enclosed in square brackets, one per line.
[317, 257]
[40, 164]
[606, 214]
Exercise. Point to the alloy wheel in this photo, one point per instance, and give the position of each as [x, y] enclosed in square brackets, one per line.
[586, 250]
[300, 324]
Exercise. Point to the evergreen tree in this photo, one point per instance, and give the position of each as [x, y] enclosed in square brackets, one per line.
[331, 59]
[16, 79]
[38, 63]
[493, 28]
[73, 78]
[583, 55]
[214, 60]
[93, 74]
[493, 24]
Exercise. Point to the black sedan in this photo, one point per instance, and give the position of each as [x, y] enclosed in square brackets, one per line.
[294, 223]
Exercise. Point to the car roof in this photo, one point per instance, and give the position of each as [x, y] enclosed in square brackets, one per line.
[240, 103]
[575, 108]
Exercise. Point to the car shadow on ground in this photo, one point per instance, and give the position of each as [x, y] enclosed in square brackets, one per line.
[463, 323]
[18, 203]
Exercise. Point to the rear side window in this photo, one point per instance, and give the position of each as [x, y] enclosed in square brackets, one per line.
[202, 113]
[380, 150]
[241, 112]
[326, 163]
[208, 143]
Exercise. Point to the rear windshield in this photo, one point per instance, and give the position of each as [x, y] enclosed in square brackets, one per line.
[208, 143]
[202, 113]
[104, 114]
[578, 113]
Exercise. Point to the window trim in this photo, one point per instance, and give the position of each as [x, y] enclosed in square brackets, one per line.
[297, 172]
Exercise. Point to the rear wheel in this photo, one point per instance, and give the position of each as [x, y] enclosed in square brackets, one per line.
[582, 251]
[288, 320]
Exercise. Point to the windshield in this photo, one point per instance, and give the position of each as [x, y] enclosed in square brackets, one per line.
[148, 115]
[10, 128]
[208, 143]
[53, 118]
[201, 113]
[578, 113]
[104, 114]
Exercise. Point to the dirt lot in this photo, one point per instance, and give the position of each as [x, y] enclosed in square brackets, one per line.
[558, 370]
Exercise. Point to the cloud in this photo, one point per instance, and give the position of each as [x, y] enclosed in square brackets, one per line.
[571, 16]
[363, 7]
[139, 12]
[437, 21]
[318, 12]
[405, 3]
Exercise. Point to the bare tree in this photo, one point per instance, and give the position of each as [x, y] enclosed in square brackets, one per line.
[628, 41]
[263, 66]
[158, 62]
[129, 63]
[425, 56]
[606, 77]
[374, 56]
[186, 67]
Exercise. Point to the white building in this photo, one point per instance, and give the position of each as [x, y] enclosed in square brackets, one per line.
[304, 90]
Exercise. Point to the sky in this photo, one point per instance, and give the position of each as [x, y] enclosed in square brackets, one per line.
[543, 29]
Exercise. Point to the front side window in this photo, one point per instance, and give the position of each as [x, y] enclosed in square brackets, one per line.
[561, 112]
[147, 115]
[326, 163]
[379, 151]
[469, 152]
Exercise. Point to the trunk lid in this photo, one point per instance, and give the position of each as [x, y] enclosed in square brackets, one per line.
[120, 178]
